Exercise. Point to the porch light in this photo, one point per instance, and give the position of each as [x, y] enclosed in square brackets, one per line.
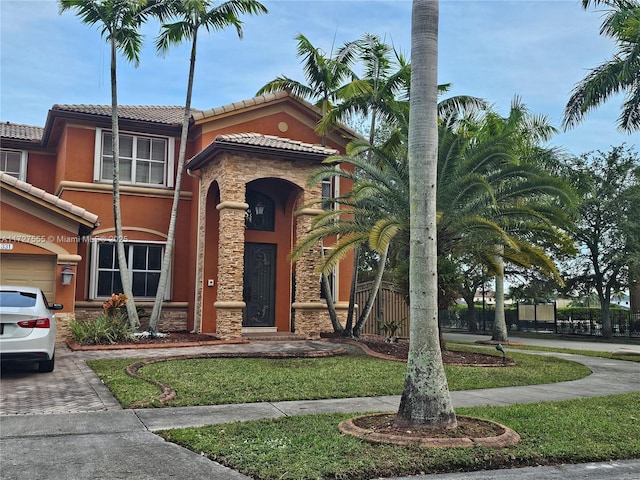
[66, 274]
[259, 209]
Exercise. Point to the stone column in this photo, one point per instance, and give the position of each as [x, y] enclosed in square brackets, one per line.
[310, 310]
[229, 304]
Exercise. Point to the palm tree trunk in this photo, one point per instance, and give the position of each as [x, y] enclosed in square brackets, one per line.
[132, 312]
[326, 289]
[168, 252]
[425, 401]
[366, 311]
[500, 333]
[348, 326]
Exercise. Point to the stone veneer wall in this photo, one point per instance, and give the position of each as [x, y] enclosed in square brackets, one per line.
[232, 171]
[62, 325]
[173, 318]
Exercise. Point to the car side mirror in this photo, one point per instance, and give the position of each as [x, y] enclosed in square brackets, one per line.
[56, 306]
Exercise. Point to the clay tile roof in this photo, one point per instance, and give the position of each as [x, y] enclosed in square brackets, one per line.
[232, 107]
[49, 198]
[271, 141]
[169, 115]
[20, 132]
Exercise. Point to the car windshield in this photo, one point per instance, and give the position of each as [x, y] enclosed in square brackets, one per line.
[14, 298]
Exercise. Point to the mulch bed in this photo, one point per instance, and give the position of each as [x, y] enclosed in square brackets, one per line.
[399, 350]
[172, 339]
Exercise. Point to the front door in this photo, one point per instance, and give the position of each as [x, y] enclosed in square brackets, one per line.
[259, 284]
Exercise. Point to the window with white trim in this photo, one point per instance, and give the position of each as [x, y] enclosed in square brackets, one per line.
[327, 193]
[14, 162]
[331, 276]
[144, 160]
[330, 191]
[144, 261]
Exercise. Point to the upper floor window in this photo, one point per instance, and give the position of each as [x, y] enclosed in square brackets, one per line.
[144, 160]
[329, 192]
[14, 162]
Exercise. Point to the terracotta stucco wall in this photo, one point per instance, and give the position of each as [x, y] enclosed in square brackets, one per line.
[41, 232]
[39, 168]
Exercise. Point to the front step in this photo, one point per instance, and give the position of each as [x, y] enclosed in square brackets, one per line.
[272, 336]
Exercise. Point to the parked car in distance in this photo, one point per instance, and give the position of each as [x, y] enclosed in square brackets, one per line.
[27, 327]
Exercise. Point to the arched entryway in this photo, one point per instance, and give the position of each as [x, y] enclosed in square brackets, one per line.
[269, 233]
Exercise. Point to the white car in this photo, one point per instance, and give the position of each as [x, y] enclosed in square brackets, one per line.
[27, 327]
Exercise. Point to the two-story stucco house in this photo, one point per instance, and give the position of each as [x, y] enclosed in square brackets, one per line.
[239, 217]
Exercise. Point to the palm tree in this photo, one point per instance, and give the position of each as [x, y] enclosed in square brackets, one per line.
[373, 212]
[384, 81]
[524, 200]
[192, 16]
[119, 21]
[621, 73]
[425, 401]
[325, 76]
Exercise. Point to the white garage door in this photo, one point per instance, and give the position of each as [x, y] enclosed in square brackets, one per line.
[30, 270]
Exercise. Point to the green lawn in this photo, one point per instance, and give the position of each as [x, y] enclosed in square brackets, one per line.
[311, 447]
[223, 380]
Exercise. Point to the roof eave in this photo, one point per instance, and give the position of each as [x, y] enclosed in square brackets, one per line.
[219, 146]
[104, 121]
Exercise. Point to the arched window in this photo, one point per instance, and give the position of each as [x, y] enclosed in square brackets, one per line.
[261, 213]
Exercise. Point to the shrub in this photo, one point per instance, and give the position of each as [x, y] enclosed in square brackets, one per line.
[103, 330]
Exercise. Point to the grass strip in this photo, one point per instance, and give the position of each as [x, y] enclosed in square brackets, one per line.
[311, 447]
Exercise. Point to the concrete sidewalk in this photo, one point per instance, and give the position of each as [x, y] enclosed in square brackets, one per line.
[106, 442]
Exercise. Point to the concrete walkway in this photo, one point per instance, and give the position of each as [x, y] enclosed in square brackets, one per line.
[79, 431]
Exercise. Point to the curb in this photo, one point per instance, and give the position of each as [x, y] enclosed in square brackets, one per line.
[132, 346]
[507, 438]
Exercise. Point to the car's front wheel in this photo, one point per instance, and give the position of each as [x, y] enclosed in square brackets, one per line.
[47, 365]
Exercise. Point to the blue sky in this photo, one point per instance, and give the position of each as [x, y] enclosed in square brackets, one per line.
[535, 49]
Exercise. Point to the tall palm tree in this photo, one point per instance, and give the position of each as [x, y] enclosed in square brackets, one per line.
[385, 81]
[192, 15]
[119, 22]
[326, 75]
[425, 401]
[621, 73]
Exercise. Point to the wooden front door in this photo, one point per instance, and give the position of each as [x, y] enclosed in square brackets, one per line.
[259, 284]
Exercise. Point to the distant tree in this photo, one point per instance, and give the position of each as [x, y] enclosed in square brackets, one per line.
[474, 277]
[619, 74]
[633, 231]
[192, 15]
[606, 233]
